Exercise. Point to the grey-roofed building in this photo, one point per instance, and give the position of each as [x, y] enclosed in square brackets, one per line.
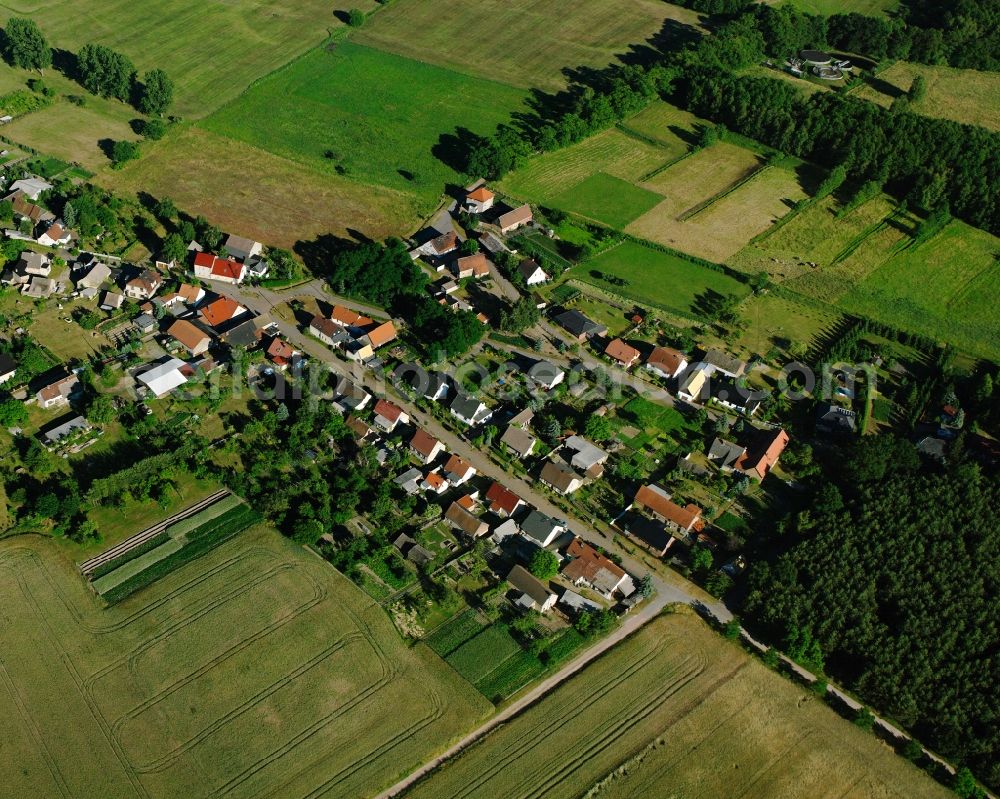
[409, 480]
[504, 530]
[518, 441]
[470, 410]
[96, 276]
[579, 325]
[65, 429]
[349, 396]
[39, 287]
[725, 454]
[546, 374]
[728, 393]
[586, 457]
[574, 603]
[542, 528]
[243, 248]
[835, 419]
[727, 364]
[8, 367]
[145, 323]
[246, 334]
[535, 595]
[559, 478]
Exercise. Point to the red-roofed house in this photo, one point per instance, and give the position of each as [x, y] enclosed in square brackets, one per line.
[212, 267]
[476, 265]
[625, 354]
[281, 353]
[425, 446]
[345, 317]
[759, 461]
[220, 311]
[434, 482]
[502, 501]
[679, 521]
[388, 415]
[590, 568]
[479, 200]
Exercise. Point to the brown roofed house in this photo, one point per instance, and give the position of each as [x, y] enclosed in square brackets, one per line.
[458, 470]
[389, 414]
[190, 336]
[475, 266]
[560, 478]
[590, 568]
[479, 200]
[624, 353]
[467, 522]
[220, 311]
[280, 352]
[679, 521]
[425, 446]
[666, 362]
[345, 317]
[512, 220]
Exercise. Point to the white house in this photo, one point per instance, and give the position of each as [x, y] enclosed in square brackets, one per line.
[666, 362]
[469, 410]
[224, 270]
[458, 470]
[55, 235]
[532, 273]
[479, 200]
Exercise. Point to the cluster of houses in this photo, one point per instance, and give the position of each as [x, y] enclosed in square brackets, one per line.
[475, 508]
[357, 336]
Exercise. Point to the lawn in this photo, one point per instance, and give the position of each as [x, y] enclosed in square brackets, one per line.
[261, 195]
[607, 199]
[379, 117]
[964, 95]
[872, 8]
[515, 41]
[677, 711]
[947, 288]
[657, 278]
[256, 670]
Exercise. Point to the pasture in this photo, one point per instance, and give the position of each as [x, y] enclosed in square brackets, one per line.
[212, 52]
[677, 711]
[256, 670]
[610, 200]
[379, 118]
[657, 279]
[780, 321]
[612, 152]
[962, 95]
[516, 42]
[947, 289]
[261, 195]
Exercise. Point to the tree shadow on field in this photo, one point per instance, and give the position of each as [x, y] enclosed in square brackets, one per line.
[882, 86]
[452, 149]
[107, 146]
[317, 253]
[65, 62]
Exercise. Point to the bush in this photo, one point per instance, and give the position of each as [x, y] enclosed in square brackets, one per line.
[355, 17]
[122, 152]
[154, 129]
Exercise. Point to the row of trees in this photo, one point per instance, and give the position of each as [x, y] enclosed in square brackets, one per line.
[99, 69]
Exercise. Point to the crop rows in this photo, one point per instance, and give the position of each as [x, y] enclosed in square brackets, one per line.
[482, 653]
[199, 541]
[184, 526]
[454, 632]
[146, 546]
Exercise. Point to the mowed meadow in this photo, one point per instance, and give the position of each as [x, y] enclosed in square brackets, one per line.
[256, 670]
[677, 711]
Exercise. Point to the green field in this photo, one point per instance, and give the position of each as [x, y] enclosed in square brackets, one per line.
[947, 289]
[255, 671]
[870, 7]
[675, 711]
[607, 199]
[377, 115]
[515, 41]
[657, 278]
[963, 95]
[774, 320]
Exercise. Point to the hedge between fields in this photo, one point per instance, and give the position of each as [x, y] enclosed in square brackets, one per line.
[213, 511]
[199, 542]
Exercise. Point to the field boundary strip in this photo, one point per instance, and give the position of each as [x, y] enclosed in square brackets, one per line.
[88, 566]
[664, 167]
[704, 205]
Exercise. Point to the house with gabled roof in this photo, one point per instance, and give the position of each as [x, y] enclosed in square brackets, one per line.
[517, 218]
[678, 522]
[470, 410]
[281, 353]
[223, 270]
[389, 414]
[666, 362]
[346, 317]
[624, 354]
[57, 392]
[144, 285]
[560, 478]
[725, 454]
[242, 248]
[476, 266]
[727, 364]
[349, 396]
[502, 501]
[518, 441]
[585, 456]
[479, 200]
[381, 334]
[541, 528]
[327, 331]
[590, 568]
[758, 461]
[195, 340]
[534, 594]
[8, 368]
[546, 374]
[467, 522]
[458, 470]
[579, 325]
[434, 482]
[424, 446]
[55, 235]
[221, 312]
[532, 273]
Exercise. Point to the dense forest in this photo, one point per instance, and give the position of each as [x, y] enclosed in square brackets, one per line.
[894, 572]
[928, 162]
